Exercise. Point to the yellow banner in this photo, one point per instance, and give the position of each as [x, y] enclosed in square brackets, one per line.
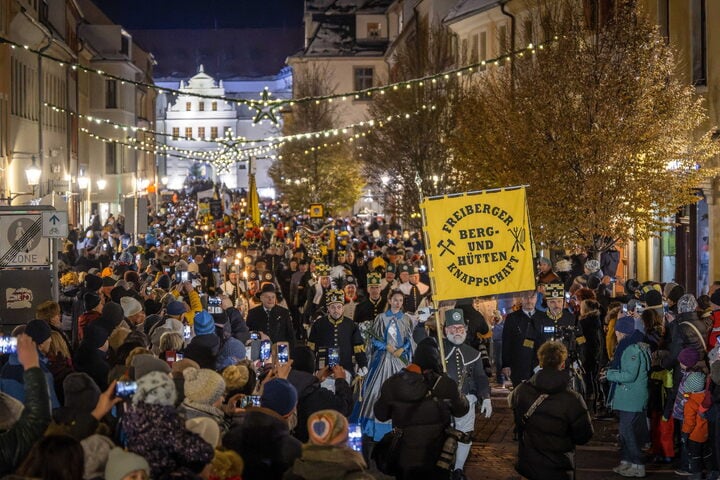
[479, 243]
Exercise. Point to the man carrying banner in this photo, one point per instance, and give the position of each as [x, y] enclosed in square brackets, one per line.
[464, 365]
[556, 323]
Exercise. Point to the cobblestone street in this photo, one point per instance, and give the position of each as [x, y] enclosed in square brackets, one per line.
[494, 452]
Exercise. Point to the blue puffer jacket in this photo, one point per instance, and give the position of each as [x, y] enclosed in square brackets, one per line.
[631, 391]
[12, 383]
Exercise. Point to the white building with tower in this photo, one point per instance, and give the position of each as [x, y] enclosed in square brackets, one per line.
[189, 121]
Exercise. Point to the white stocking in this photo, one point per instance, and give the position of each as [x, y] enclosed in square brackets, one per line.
[463, 450]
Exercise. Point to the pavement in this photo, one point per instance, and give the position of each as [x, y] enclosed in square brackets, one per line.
[494, 452]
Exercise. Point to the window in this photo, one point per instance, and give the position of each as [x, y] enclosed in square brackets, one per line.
[373, 30]
[502, 40]
[482, 47]
[598, 12]
[201, 132]
[125, 45]
[699, 42]
[188, 132]
[664, 19]
[228, 131]
[463, 51]
[363, 79]
[110, 159]
[201, 106]
[110, 93]
[175, 133]
[213, 132]
[214, 106]
[528, 31]
[474, 48]
[188, 106]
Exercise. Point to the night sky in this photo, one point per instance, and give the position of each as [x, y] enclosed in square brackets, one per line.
[203, 14]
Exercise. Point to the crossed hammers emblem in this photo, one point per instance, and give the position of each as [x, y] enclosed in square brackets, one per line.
[446, 246]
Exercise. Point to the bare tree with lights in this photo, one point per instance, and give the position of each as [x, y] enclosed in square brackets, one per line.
[415, 145]
[315, 170]
[610, 141]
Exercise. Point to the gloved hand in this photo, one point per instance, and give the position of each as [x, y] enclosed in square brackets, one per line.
[361, 371]
[486, 408]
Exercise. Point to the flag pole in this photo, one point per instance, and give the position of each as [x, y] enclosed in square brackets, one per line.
[438, 329]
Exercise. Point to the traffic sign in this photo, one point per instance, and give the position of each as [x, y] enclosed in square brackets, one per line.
[21, 242]
[54, 224]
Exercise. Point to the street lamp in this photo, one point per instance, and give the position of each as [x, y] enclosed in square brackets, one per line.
[101, 184]
[33, 173]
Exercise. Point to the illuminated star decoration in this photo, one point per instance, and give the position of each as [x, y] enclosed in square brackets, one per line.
[266, 108]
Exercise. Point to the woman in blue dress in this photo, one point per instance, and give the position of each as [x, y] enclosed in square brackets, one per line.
[390, 351]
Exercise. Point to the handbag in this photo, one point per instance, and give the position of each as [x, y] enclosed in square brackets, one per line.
[385, 453]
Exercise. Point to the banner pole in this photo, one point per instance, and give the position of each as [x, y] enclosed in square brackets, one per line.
[438, 329]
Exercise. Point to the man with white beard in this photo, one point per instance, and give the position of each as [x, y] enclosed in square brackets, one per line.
[465, 366]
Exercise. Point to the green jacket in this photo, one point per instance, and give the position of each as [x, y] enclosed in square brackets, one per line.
[17, 442]
[631, 391]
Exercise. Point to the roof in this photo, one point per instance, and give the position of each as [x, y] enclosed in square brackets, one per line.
[335, 37]
[340, 7]
[466, 8]
[247, 52]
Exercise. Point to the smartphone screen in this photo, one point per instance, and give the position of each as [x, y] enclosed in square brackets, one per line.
[214, 305]
[355, 437]
[187, 332]
[170, 357]
[283, 352]
[179, 356]
[8, 345]
[125, 389]
[624, 308]
[254, 336]
[250, 401]
[333, 357]
[265, 349]
[181, 277]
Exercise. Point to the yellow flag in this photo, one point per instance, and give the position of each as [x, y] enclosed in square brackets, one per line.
[479, 243]
[253, 201]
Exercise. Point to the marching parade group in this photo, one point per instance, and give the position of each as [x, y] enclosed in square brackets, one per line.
[301, 348]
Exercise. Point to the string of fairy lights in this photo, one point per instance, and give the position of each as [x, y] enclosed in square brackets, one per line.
[267, 108]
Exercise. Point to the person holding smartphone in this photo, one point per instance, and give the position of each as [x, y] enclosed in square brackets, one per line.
[335, 331]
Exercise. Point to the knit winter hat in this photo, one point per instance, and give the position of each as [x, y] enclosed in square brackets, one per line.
[81, 392]
[10, 411]
[695, 382]
[625, 325]
[687, 303]
[91, 300]
[130, 306]
[204, 324]
[112, 315]
[592, 266]
[207, 428]
[38, 330]
[327, 427]
[279, 395]
[236, 376]
[231, 352]
[653, 298]
[144, 364]
[95, 335]
[427, 355]
[203, 385]
[93, 282]
[121, 463]
[668, 288]
[303, 359]
[96, 449]
[108, 281]
[715, 297]
[227, 464]
[688, 356]
[163, 282]
[176, 308]
[179, 367]
[675, 294]
[155, 388]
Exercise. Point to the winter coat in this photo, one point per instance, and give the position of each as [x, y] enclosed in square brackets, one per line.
[264, 442]
[327, 462]
[547, 440]
[204, 349]
[695, 424]
[422, 416]
[715, 329]
[158, 434]
[683, 335]
[93, 362]
[592, 331]
[12, 377]
[17, 442]
[631, 392]
[312, 398]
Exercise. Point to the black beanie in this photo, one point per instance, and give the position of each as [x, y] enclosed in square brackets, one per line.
[715, 297]
[38, 330]
[653, 298]
[91, 300]
[93, 282]
[303, 359]
[112, 315]
[81, 392]
[95, 335]
[427, 355]
[676, 292]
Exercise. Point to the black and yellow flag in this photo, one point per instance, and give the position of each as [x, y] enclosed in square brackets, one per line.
[479, 243]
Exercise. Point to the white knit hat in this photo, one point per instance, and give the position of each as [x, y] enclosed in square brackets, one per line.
[130, 306]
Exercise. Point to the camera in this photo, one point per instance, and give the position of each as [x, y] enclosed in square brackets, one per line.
[125, 389]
